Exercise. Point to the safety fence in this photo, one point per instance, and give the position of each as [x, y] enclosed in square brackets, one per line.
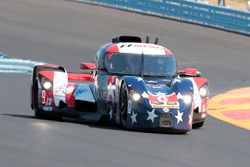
[194, 12]
[10, 65]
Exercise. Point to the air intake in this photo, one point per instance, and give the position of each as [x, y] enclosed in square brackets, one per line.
[126, 39]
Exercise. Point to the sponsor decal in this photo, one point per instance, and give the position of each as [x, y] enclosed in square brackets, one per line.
[173, 105]
[69, 90]
[60, 89]
[161, 100]
[79, 92]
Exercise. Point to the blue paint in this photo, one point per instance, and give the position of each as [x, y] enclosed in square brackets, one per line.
[200, 13]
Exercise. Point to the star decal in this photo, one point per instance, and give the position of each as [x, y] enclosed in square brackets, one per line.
[139, 79]
[177, 80]
[133, 117]
[179, 96]
[152, 115]
[144, 95]
[179, 117]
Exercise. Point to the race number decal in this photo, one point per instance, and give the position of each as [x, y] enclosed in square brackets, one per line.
[43, 96]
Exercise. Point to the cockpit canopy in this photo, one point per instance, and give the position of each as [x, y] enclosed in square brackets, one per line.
[140, 64]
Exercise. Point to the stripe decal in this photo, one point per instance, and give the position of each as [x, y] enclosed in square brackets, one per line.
[60, 82]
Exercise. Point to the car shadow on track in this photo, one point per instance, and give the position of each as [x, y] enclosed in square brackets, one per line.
[20, 116]
[103, 124]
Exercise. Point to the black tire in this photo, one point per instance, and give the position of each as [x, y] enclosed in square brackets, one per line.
[123, 105]
[40, 114]
[198, 125]
[37, 112]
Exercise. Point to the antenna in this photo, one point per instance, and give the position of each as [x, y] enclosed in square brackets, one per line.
[142, 64]
[147, 39]
[156, 40]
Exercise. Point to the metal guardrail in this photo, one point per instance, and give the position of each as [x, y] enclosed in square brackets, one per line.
[194, 12]
[9, 65]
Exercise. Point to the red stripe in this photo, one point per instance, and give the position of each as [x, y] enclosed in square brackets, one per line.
[200, 81]
[167, 52]
[157, 99]
[237, 114]
[80, 77]
[90, 66]
[235, 101]
[48, 74]
[70, 98]
[113, 48]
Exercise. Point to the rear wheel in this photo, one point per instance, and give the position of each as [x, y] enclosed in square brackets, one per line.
[198, 125]
[123, 105]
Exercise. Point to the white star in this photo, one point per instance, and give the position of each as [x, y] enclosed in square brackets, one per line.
[133, 117]
[177, 80]
[144, 95]
[179, 96]
[179, 117]
[139, 79]
[152, 115]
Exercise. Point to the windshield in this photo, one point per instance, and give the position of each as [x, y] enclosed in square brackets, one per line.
[153, 65]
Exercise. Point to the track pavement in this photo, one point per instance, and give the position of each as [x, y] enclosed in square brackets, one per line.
[66, 33]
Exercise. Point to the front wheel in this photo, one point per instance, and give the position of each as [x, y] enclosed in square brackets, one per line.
[37, 112]
[123, 105]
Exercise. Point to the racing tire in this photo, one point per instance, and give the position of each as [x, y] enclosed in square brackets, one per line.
[123, 105]
[40, 114]
[37, 112]
[198, 125]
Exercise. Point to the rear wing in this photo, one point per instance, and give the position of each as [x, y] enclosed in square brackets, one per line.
[189, 72]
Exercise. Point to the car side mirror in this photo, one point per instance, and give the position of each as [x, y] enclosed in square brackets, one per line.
[88, 66]
[189, 72]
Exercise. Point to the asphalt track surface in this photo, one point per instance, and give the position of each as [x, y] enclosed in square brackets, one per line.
[66, 33]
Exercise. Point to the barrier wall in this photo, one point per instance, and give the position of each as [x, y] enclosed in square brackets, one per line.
[200, 13]
[12, 65]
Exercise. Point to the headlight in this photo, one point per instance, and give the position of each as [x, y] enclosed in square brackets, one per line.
[204, 91]
[135, 96]
[187, 99]
[47, 85]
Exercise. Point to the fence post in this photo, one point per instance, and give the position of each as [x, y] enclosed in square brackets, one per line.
[221, 2]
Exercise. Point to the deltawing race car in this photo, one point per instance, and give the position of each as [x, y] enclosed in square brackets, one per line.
[133, 84]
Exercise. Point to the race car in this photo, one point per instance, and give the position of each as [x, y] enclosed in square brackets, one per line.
[134, 84]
